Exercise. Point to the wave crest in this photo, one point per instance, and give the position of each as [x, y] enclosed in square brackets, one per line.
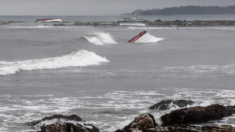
[74, 59]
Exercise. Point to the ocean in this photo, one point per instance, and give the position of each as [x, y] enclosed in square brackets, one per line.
[95, 73]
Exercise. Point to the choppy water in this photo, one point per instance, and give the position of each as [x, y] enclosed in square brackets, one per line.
[93, 72]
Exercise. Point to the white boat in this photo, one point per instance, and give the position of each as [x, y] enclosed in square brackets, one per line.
[48, 20]
[131, 21]
[125, 23]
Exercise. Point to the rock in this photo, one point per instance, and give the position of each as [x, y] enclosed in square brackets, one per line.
[187, 128]
[196, 115]
[164, 105]
[231, 107]
[144, 121]
[58, 127]
[68, 125]
[71, 117]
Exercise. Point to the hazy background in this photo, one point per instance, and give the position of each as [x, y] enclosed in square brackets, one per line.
[95, 7]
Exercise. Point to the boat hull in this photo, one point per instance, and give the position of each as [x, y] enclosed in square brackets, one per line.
[125, 23]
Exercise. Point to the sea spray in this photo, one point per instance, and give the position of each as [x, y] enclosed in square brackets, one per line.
[74, 59]
[100, 38]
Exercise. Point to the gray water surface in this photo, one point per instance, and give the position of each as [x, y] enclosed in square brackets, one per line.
[195, 63]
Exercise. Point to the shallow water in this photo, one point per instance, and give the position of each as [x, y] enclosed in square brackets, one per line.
[93, 72]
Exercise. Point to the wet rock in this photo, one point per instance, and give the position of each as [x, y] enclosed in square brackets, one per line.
[164, 105]
[144, 121]
[58, 127]
[70, 123]
[231, 107]
[196, 115]
[68, 127]
[186, 128]
[71, 117]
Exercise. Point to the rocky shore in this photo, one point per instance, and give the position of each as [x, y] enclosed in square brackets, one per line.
[157, 23]
[160, 23]
[180, 120]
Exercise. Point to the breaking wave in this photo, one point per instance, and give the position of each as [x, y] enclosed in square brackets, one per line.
[74, 59]
[100, 38]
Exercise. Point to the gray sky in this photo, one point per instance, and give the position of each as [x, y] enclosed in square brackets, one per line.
[95, 7]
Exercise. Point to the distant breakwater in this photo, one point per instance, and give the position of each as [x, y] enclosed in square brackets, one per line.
[159, 23]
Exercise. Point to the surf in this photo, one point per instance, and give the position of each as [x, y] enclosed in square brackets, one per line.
[100, 38]
[77, 58]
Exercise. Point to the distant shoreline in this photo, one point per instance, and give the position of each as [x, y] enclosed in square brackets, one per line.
[188, 10]
[153, 23]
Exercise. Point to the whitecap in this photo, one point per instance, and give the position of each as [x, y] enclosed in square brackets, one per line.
[100, 38]
[74, 59]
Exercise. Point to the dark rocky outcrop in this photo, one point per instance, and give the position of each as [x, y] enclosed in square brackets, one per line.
[66, 125]
[71, 117]
[164, 105]
[144, 121]
[196, 115]
[187, 128]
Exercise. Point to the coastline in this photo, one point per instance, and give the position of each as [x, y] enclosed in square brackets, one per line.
[153, 23]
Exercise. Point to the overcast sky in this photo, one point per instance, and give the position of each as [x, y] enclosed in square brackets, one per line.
[95, 7]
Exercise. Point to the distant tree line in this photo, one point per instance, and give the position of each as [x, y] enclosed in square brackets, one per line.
[190, 10]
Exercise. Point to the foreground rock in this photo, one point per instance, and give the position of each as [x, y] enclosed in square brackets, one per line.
[68, 127]
[222, 128]
[196, 115]
[164, 105]
[71, 117]
[61, 123]
[145, 121]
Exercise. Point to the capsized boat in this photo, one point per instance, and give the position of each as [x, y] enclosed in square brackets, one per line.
[145, 37]
[48, 20]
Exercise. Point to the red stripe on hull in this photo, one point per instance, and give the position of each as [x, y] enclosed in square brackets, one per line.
[137, 37]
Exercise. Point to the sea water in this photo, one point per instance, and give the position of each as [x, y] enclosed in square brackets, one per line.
[93, 72]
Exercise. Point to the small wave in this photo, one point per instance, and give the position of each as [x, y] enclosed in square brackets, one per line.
[200, 69]
[100, 38]
[74, 59]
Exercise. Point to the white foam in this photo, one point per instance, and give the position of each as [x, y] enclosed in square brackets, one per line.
[147, 38]
[100, 38]
[74, 59]
[56, 121]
